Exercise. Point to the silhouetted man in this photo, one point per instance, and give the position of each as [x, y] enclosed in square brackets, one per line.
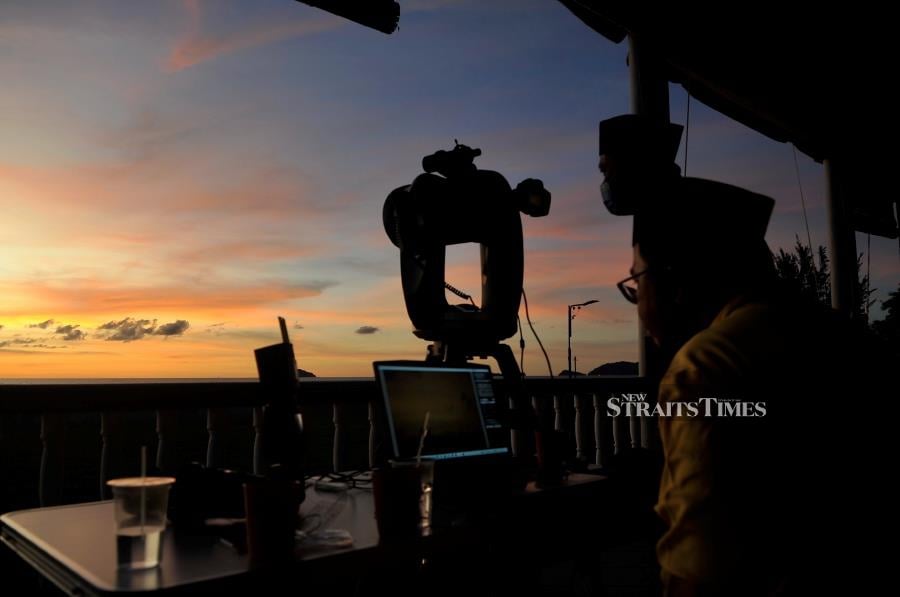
[745, 414]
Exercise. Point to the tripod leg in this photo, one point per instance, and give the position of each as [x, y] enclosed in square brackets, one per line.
[520, 414]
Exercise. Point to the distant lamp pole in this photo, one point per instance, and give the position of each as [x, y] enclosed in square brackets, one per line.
[572, 310]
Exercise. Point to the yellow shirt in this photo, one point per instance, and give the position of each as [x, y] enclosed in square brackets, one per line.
[719, 492]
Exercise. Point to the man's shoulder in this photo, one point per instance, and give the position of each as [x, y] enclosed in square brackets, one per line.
[743, 338]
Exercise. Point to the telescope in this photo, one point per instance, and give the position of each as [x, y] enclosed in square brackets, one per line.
[454, 202]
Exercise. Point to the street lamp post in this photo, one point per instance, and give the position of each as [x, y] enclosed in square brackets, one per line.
[572, 310]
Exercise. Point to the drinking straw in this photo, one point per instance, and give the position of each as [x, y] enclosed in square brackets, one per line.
[422, 439]
[284, 333]
[143, 486]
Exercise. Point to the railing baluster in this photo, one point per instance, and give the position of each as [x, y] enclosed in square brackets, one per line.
[515, 436]
[212, 446]
[634, 429]
[620, 433]
[598, 431]
[604, 433]
[257, 440]
[557, 414]
[645, 431]
[166, 431]
[579, 432]
[53, 432]
[108, 423]
[371, 406]
[336, 460]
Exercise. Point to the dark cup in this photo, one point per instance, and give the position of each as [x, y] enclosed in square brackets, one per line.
[277, 366]
[402, 499]
[272, 508]
[551, 452]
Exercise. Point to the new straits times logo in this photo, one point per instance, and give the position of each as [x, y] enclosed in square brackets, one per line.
[631, 405]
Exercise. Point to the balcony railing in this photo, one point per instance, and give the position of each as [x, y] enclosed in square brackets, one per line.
[60, 443]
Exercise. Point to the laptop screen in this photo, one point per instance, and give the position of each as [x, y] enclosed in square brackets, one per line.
[459, 401]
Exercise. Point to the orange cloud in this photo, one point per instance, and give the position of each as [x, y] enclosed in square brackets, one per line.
[244, 251]
[99, 298]
[259, 191]
[198, 47]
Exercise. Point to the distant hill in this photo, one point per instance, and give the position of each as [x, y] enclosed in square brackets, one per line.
[617, 368]
[565, 373]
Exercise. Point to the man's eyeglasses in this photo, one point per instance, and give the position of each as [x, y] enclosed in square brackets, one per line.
[629, 288]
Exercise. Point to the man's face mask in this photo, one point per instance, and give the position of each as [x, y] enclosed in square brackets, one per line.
[618, 198]
[624, 189]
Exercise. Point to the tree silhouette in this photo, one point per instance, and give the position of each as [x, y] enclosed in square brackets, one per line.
[888, 329]
[800, 275]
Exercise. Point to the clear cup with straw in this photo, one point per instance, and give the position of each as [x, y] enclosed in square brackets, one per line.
[140, 504]
[402, 493]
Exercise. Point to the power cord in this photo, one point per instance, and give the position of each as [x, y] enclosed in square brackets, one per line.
[538, 338]
[464, 296]
[340, 482]
[521, 347]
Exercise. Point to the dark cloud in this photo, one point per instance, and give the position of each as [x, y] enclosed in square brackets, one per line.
[297, 326]
[216, 329]
[1, 326]
[367, 329]
[255, 335]
[71, 332]
[114, 325]
[176, 328]
[43, 325]
[31, 347]
[129, 329]
[19, 342]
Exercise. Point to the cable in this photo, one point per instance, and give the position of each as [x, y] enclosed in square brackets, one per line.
[521, 347]
[687, 131]
[805, 219]
[868, 272]
[802, 197]
[538, 338]
[460, 293]
[359, 479]
[323, 515]
[448, 286]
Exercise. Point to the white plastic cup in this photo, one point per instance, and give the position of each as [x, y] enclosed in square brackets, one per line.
[140, 505]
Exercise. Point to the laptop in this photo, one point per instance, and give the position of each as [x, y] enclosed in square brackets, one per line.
[459, 401]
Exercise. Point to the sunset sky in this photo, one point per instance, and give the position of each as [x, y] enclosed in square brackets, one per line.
[175, 175]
